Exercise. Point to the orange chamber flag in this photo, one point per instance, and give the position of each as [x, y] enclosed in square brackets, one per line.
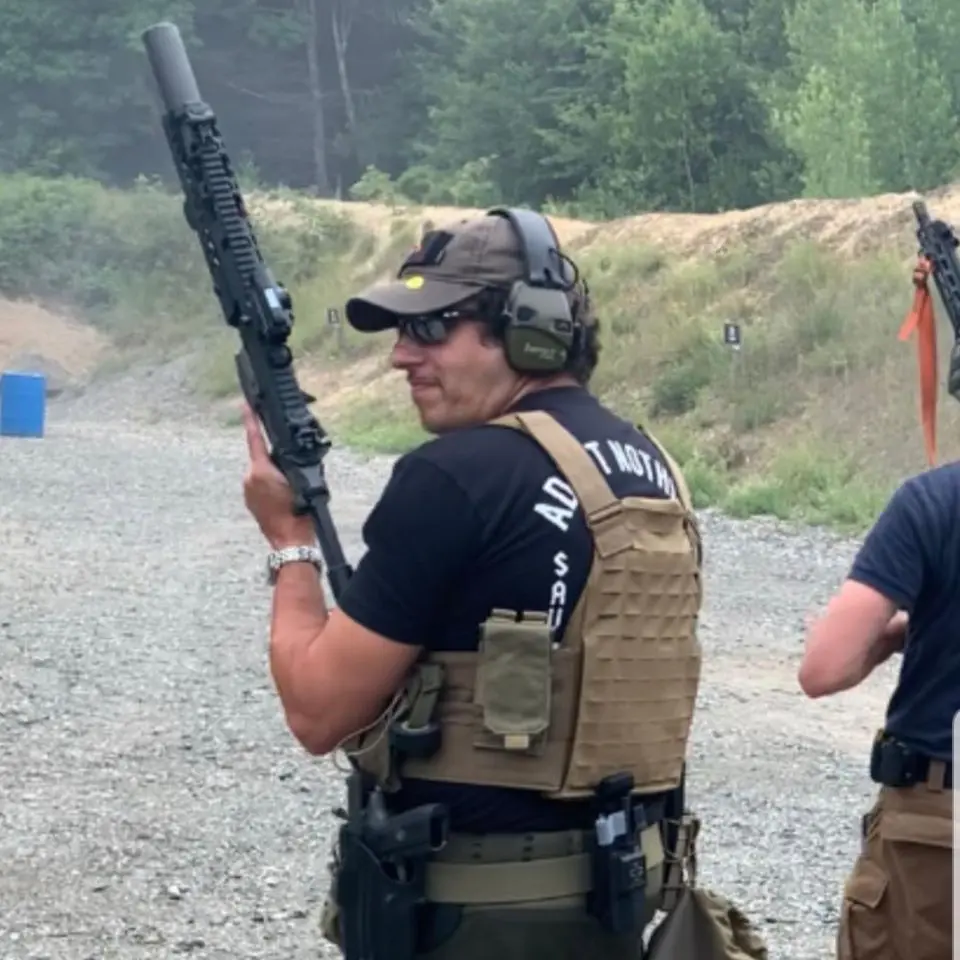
[921, 321]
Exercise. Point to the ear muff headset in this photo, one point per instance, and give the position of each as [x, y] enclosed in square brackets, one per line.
[539, 329]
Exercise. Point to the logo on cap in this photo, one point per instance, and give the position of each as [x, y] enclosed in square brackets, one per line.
[413, 283]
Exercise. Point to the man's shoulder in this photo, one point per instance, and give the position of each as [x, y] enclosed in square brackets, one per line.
[620, 446]
[932, 495]
[920, 519]
[483, 447]
[940, 480]
[486, 445]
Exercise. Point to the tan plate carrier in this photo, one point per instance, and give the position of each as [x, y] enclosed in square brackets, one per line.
[617, 695]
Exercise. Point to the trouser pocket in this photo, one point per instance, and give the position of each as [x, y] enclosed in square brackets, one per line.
[918, 861]
[864, 933]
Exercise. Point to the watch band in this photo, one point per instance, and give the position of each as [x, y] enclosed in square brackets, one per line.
[299, 554]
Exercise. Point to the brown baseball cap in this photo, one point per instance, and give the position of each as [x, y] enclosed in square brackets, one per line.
[450, 265]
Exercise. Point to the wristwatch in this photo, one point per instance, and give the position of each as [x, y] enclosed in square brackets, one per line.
[300, 554]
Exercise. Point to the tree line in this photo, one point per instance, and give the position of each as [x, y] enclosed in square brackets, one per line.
[590, 107]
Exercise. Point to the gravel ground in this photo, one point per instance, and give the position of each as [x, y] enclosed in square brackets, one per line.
[154, 803]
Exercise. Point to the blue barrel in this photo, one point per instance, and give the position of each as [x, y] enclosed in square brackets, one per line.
[23, 404]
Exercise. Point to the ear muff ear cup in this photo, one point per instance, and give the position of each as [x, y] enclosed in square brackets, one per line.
[538, 326]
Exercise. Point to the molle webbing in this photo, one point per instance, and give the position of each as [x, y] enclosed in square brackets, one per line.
[683, 492]
[634, 626]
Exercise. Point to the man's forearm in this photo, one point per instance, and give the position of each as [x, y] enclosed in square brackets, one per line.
[298, 617]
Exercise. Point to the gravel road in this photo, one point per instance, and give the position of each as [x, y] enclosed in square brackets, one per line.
[153, 802]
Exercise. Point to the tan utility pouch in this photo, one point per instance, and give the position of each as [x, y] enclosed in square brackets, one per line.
[706, 926]
[513, 683]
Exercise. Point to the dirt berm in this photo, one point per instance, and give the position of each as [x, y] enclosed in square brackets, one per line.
[869, 409]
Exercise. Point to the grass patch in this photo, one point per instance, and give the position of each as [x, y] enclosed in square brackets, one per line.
[808, 485]
[706, 476]
[807, 316]
[127, 262]
[811, 324]
[373, 427]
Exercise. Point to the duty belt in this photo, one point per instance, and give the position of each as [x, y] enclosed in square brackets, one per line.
[512, 868]
[389, 867]
[894, 764]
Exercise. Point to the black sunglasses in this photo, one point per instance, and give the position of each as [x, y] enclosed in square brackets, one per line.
[430, 329]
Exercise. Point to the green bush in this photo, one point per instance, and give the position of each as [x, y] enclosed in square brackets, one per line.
[677, 388]
[126, 260]
[814, 485]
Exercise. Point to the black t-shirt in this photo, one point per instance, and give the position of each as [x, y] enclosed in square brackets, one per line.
[912, 557]
[482, 518]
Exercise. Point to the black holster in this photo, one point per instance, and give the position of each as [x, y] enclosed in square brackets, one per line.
[894, 764]
[381, 879]
[378, 912]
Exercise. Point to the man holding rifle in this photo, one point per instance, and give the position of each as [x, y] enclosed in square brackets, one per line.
[514, 666]
[902, 595]
[538, 548]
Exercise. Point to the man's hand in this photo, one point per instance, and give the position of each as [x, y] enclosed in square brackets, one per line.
[894, 636]
[268, 495]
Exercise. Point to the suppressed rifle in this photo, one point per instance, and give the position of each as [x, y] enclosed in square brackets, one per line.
[382, 857]
[253, 302]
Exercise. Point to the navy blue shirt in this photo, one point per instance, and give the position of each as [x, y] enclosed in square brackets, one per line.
[482, 518]
[912, 557]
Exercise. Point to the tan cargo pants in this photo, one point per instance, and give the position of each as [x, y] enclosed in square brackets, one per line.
[546, 930]
[520, 898]
[898, 899]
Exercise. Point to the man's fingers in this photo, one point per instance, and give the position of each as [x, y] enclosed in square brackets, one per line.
[256, 445]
